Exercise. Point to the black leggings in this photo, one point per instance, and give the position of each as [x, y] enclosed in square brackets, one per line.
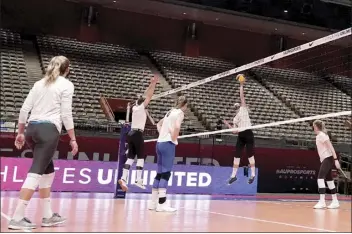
[135, 142]
[325, 171]
[245, 139]
[42, 138]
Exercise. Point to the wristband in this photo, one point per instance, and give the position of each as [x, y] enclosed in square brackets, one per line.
[72, 140]
[336, 159]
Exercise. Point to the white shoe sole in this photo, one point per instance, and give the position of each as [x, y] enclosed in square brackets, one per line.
[53, 224]
[324, 207]
[123, 185]
[334, 207]
[140, 186]
[20, 228]
[165, 211]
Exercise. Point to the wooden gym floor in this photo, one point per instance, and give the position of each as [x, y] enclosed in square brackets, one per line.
[92, 212]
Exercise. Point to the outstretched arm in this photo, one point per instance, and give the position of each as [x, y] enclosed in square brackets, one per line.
[150, 90]
[243, 102]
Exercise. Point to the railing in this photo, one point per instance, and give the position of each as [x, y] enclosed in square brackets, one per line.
[107, 109]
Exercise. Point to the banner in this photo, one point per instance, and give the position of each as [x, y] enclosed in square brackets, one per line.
[92, 176]
[281, 170]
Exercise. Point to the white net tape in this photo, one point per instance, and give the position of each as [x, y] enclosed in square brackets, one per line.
[309, 45]
[306, 46]
[330, 115]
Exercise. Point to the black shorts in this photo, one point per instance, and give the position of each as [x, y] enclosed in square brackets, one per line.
[325, 171]
[245, 139]
[42, 138]
[135, 142]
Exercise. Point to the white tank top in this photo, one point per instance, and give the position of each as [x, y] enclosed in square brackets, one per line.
[139, 117]
[173, 117]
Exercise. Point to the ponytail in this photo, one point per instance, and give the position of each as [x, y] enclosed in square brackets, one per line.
[321, 126]
[57, 67]
[181, 101]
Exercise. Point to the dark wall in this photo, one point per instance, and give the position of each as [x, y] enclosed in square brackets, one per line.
[236, 45]
[41, 16]
[144, 31]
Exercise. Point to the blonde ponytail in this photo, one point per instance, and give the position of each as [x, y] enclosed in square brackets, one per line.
[181, 101]
[57, 67]
[321, 126]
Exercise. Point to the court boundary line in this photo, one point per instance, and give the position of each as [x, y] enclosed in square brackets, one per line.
[5, 216]
[263, 220]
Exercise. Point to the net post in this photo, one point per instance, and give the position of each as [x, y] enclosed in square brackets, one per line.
[121, 159]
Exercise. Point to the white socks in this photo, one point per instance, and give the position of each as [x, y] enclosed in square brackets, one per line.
[253, 171]
[46, 206]
[234, 172]
[252, 163]
[322, 197]
[20, 209]
[125, 171]
[155, 195]
[139, 175]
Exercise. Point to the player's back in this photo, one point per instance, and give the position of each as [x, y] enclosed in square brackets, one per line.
[169, 123]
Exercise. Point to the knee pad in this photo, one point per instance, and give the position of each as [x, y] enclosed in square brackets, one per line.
[140, 164]
[158, 176]
[321, 183]
[236, 161]
[128, 163]
[331, 184]
[251, 160]
[32, 181]
[166, 175]
[46, 181]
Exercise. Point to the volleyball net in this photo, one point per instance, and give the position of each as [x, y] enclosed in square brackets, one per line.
[285, 92]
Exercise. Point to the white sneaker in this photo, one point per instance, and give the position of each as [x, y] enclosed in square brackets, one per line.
[165, 208]
[152, 205]
[140, 184]
[334, 204]
[320, 205]
[123, 185]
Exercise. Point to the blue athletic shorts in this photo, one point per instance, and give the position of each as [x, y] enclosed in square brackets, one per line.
[166, 154]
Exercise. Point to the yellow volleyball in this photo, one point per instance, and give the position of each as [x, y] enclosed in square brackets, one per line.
[240, 78]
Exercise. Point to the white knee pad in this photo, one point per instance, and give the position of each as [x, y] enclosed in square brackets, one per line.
[331, 184]
[46, 181]
[140, 163]
[251, 160]
[129, 161]
[321, 183]
[236, 161]
[32, 181]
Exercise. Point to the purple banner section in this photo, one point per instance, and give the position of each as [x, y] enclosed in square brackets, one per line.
[95, 176]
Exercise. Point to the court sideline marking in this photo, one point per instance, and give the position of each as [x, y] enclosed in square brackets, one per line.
[8, 219]
[264, 221]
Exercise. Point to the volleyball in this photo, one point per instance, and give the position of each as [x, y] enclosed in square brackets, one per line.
[240, 78]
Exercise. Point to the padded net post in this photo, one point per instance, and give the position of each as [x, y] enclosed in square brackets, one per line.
[122, 159]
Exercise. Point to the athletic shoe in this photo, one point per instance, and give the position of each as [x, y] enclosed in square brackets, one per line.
[56, 219]
[24, 223]
[140, 184]
[320, 205]
[123, 185]
[165, 208]
[152, 205]
[251, 180]
[232, 179]
[334, 204]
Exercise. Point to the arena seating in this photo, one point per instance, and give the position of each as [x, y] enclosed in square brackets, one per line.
[217, 97]
[103, 69]
[309, 94]
[118, 72]
[14, 84]
[343, 82]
